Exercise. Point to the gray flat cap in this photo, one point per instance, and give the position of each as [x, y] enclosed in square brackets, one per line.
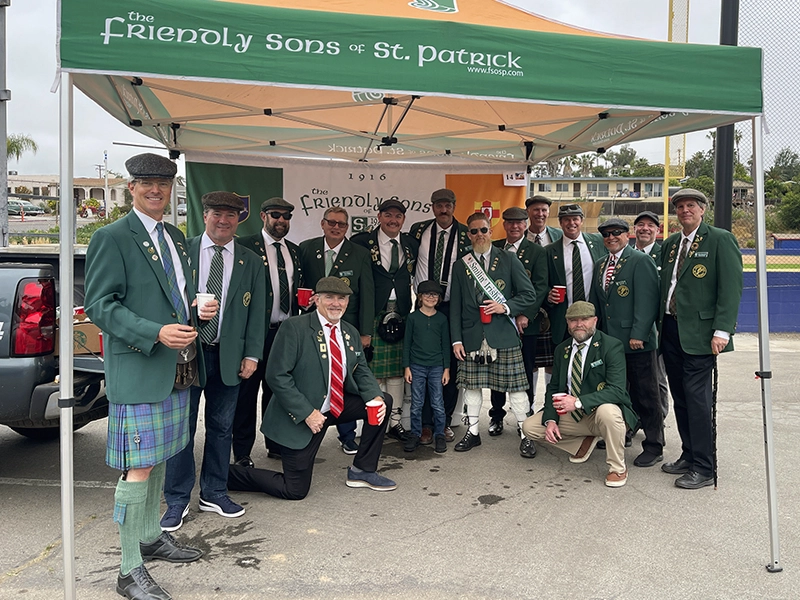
[223, 200]
[685, 193]
[613, 223]
[443, 195]
[515, 213]
[538, 198]
[151, 165]
[430, 287]
[646, 214]
[570, 210]
[333, 285]
[276, 202]
[580, 310]
[392, 203]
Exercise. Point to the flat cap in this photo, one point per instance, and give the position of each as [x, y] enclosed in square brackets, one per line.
[443, 195]
[580, 310]
[430, 287]
[223, 200]
[613, 223]
[570, 210]
[392, 203]
[151, 165]
[647, 214]
[538, 198]
[685, 193]
[333, 285]
[276, 202]
[515, 213]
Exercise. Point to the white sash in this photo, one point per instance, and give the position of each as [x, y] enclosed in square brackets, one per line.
[484, 281]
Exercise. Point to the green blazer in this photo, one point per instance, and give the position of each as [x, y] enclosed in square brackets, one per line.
[465, 321]
[604, 378]
[534, 260]
[629, 309]
[558, 276]
[385, 281]
[555, 233]
[255, 243]
[244, 313]
[128, 298]
[709, 287]
[298, 372]
[354, 268]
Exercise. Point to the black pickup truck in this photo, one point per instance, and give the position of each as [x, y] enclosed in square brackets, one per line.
[29, 386]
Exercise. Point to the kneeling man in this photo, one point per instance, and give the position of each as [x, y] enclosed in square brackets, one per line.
[588, 389]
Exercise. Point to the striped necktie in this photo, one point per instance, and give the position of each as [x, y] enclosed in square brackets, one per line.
[437, 262]
[673, 301]
[609, 272]
[577, 273]
[337, 374]
[176, 296]
[575, 377]
[283, 280]
[208, 333]
[509, 247]
[538, 240]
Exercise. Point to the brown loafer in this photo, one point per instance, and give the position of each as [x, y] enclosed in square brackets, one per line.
[427, 436]
[617, 479]
[449, 434]
[585, 451]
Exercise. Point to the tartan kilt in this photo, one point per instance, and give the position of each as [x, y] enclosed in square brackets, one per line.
[506, 374]
[162, 430]
[387, 359]
[545, 349]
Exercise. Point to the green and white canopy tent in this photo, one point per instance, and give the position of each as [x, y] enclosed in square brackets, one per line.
[446, 80]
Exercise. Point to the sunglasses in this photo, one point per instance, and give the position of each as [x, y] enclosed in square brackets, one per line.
[342, 224]
[277, 215]
[614, 232]
[474, 231]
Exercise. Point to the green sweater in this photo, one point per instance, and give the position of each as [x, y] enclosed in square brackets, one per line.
[427, 340]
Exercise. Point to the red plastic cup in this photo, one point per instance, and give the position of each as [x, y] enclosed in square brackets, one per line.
[100, 339]
[485, 317]
[304, 296]
[561, 290]
[372, 412]
[556, 397]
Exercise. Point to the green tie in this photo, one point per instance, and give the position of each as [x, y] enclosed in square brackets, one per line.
[214, 286]
[577, 273]
[576, 376]
[673, 301]
[478, 289]
[283, 280]
[509, 246]
[172, 279]
[395, 257]
[437, 262]
[328, 262]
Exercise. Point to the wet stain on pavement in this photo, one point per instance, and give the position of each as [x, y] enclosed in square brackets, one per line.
[489, 499]
[433, 494]
[225, 543]
[248, 562]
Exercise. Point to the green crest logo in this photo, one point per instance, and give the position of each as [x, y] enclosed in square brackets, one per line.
[445, 6]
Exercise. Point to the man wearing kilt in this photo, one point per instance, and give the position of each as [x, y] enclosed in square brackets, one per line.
[140, 291]
[491, 281]
[393, 255]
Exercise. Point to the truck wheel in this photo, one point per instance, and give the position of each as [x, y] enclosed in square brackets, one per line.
[43, 434]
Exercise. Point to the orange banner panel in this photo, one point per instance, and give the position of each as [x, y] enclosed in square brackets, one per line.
[487, 194]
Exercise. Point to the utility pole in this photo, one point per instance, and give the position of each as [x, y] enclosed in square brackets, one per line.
[723, 158]
[5, 96]
[105, 189]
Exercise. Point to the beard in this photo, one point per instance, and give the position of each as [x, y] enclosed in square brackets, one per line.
[581, 335]
[481, 248]
[277, 232]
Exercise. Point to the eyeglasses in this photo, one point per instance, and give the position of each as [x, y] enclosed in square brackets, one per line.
[277, 215]
[340, 224]
[474, 230]
[614, 232]
[161, 184]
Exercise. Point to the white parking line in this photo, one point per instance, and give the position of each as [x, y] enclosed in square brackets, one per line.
[54, 483]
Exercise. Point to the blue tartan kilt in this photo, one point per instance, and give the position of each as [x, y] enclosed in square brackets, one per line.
[506, 374]
[144, 435]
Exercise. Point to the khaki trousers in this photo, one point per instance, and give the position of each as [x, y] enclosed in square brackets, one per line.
[605, 421]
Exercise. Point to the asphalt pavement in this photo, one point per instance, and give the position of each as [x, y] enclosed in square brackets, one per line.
[482, 524]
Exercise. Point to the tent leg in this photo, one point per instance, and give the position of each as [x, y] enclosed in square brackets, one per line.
[764, 374]
[66, 277]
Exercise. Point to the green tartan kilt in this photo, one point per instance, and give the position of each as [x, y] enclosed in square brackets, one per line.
[144, 435]
[506, 374]
[387, 359]
[544, 349]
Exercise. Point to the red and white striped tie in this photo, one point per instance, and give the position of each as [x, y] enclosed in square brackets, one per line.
[337, 376]
[609, 271]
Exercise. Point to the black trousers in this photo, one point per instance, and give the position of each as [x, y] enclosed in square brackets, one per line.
[689, 377]
[450, 391]
[497, 412]
[298, 465]
[642, 372]
[245, 421]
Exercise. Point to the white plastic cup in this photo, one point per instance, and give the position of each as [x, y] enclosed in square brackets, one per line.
[203, 299]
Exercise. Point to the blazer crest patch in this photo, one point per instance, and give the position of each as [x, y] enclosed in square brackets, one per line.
[501, 285]
[601, 385]
[699, 271]
[246, 298]
[623, 290]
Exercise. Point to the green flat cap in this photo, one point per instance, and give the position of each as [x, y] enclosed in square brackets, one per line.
[276, 202]
[149, 165]
[536, 199]
[570, 210]
[223, 200]
[443, 195]
[580, 310]
[685, 193]
[515, 213]
[333, 285]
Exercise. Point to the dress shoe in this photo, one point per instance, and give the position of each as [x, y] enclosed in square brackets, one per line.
[495, 427]
[441, 445]
[617, 479]
[244, 461]
[274, 454]
[601, 445]
[426, 438]
[693, 481]
[397, 432]
[411, 443]
[449, 434]
[629, 439]
[140, 585]
[527, 449]
[677, 468]
[350, 447]
[647, 459]
[165, 547]
[469, 441]
[585, 451]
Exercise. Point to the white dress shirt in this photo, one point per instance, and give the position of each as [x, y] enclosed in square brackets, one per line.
[385, 247]
[586, 263]
[573, 350]
[276, 316]
[421, 273]
[326, 406]
[544, 237]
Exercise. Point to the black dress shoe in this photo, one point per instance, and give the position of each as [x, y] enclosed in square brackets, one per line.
[495, 427]
[139, 585]
[527, 449]
[676, 468]
[274, 454]
[397, 432]
[629, 439]
[647, 459]
[693, 481]
[601, 445]
[468, 442]
[244, 461]
[165, 547]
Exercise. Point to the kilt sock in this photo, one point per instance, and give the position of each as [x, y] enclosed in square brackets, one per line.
[395, 387]
[473, 399]
[519, 406]
[129, 512]
[406, 418]
[152, 506]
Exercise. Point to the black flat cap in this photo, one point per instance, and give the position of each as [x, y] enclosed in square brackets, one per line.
[685, 193]
[430, 287]
[392, 203]
[151, 165]
[570, 210]
[223, 200]
[515, 213]
[613, 223]
[647, 214]
[333, 285]
[276, 202]
[443, 195]
[538, 198]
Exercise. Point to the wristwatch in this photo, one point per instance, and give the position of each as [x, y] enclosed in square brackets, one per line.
[578, 403]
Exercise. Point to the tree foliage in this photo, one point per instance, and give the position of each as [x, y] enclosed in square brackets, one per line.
[622, 157]
[703, 183]
[786, 166]
[701, 164]
[789, 211]
[18, 144]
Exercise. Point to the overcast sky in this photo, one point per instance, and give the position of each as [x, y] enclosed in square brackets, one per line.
[33, 110]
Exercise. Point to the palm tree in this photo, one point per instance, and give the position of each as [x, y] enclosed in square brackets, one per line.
[18, 144]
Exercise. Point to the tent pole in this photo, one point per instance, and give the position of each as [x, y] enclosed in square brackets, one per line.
[65, 300]
[764, 374]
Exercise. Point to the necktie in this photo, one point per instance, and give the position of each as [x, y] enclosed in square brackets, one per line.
[437, 262]
[283, 280]
[478, 289]
[172, 280]
[337, 377]
[214, 286]
[577, 273]
[609, 272]
[509, 246]
[395, 264]
[576, 376]
[328, 262]
[681, 257]
[538, 239]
